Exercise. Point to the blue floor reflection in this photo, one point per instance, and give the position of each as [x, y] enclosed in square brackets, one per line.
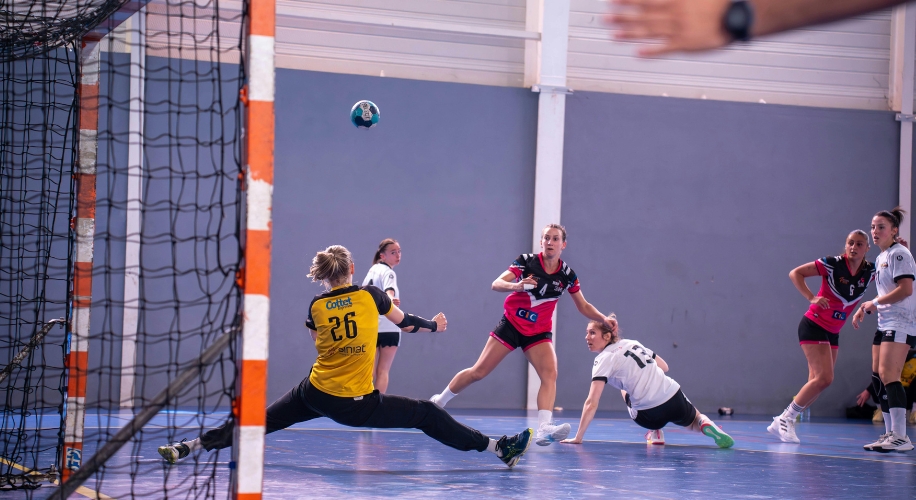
[320, 459]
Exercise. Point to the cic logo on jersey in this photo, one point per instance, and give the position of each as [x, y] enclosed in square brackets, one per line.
[528, 315]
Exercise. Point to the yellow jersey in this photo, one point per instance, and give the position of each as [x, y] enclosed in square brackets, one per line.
[346, 319]
[909, 372]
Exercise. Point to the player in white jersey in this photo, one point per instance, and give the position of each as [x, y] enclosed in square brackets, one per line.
[896, 333]
[382, 276]
[654, 399]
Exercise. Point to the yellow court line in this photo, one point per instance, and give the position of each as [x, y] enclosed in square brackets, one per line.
[82, 490]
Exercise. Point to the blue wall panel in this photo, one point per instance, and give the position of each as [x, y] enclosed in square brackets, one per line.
[685, 217]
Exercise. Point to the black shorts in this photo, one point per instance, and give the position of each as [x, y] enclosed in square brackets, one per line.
[810, 332]
[508, 336]
[894, 336]
[678, 410]
[389, 339]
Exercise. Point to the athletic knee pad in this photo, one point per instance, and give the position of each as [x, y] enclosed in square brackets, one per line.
[896, 395]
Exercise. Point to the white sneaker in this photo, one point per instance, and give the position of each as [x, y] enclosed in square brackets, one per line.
[881, 439]
[894, 442]
[551, 432]
[784, 429]
[655, 437]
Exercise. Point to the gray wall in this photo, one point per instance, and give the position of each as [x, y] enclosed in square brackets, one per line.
[685, 218]
[448, 172]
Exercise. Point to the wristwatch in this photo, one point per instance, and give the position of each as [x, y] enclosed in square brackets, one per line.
[738, 19]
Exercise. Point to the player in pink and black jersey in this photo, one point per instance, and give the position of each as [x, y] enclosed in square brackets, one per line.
[535, 282]
[844, 281]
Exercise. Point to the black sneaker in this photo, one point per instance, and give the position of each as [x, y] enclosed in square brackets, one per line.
[511, 449]
[174, 452]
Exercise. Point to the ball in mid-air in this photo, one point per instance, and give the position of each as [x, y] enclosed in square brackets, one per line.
[364, 114]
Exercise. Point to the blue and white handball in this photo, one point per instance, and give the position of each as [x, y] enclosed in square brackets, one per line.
[364, 114]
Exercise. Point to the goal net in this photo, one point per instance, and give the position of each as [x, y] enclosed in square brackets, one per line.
[122, 212]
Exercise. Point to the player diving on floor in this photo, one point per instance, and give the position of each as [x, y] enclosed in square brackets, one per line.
[653, 398]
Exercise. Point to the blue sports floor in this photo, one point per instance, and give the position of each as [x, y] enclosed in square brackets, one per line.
[320, 459]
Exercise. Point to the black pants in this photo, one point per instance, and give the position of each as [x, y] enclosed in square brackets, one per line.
[306, 402]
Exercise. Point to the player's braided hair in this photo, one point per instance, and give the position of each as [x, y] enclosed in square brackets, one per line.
[894, 216]
[381, 249]
[615, 334]
[332, 265]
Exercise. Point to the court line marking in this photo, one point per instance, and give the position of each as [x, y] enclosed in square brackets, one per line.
[82, 490]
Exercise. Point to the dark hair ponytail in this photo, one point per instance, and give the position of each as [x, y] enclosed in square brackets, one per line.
[894, 216]
[381, 249]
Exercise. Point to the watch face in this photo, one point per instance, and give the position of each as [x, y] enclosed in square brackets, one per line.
[737, 18]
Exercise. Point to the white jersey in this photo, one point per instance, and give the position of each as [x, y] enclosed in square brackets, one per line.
[381, 276]
[893, 264]
[629, 366]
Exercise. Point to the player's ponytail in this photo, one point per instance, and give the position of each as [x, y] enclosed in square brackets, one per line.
[894, 216]
[331, 266]
[381, 249]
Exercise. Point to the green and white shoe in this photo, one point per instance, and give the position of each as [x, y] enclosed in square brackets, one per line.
[712, 430]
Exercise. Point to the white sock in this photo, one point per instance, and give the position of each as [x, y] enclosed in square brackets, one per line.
[898, 421]
[445, 396]
[792, 411]
[544, 417]
[492, 446]
[194, 444]
[887, 422]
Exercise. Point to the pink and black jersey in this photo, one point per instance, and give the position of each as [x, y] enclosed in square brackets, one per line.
[842, 288]
[531, 311]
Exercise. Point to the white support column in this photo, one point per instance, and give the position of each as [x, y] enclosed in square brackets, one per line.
[903, 52]
[135, 160]
[551, 83]
[534, 15]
